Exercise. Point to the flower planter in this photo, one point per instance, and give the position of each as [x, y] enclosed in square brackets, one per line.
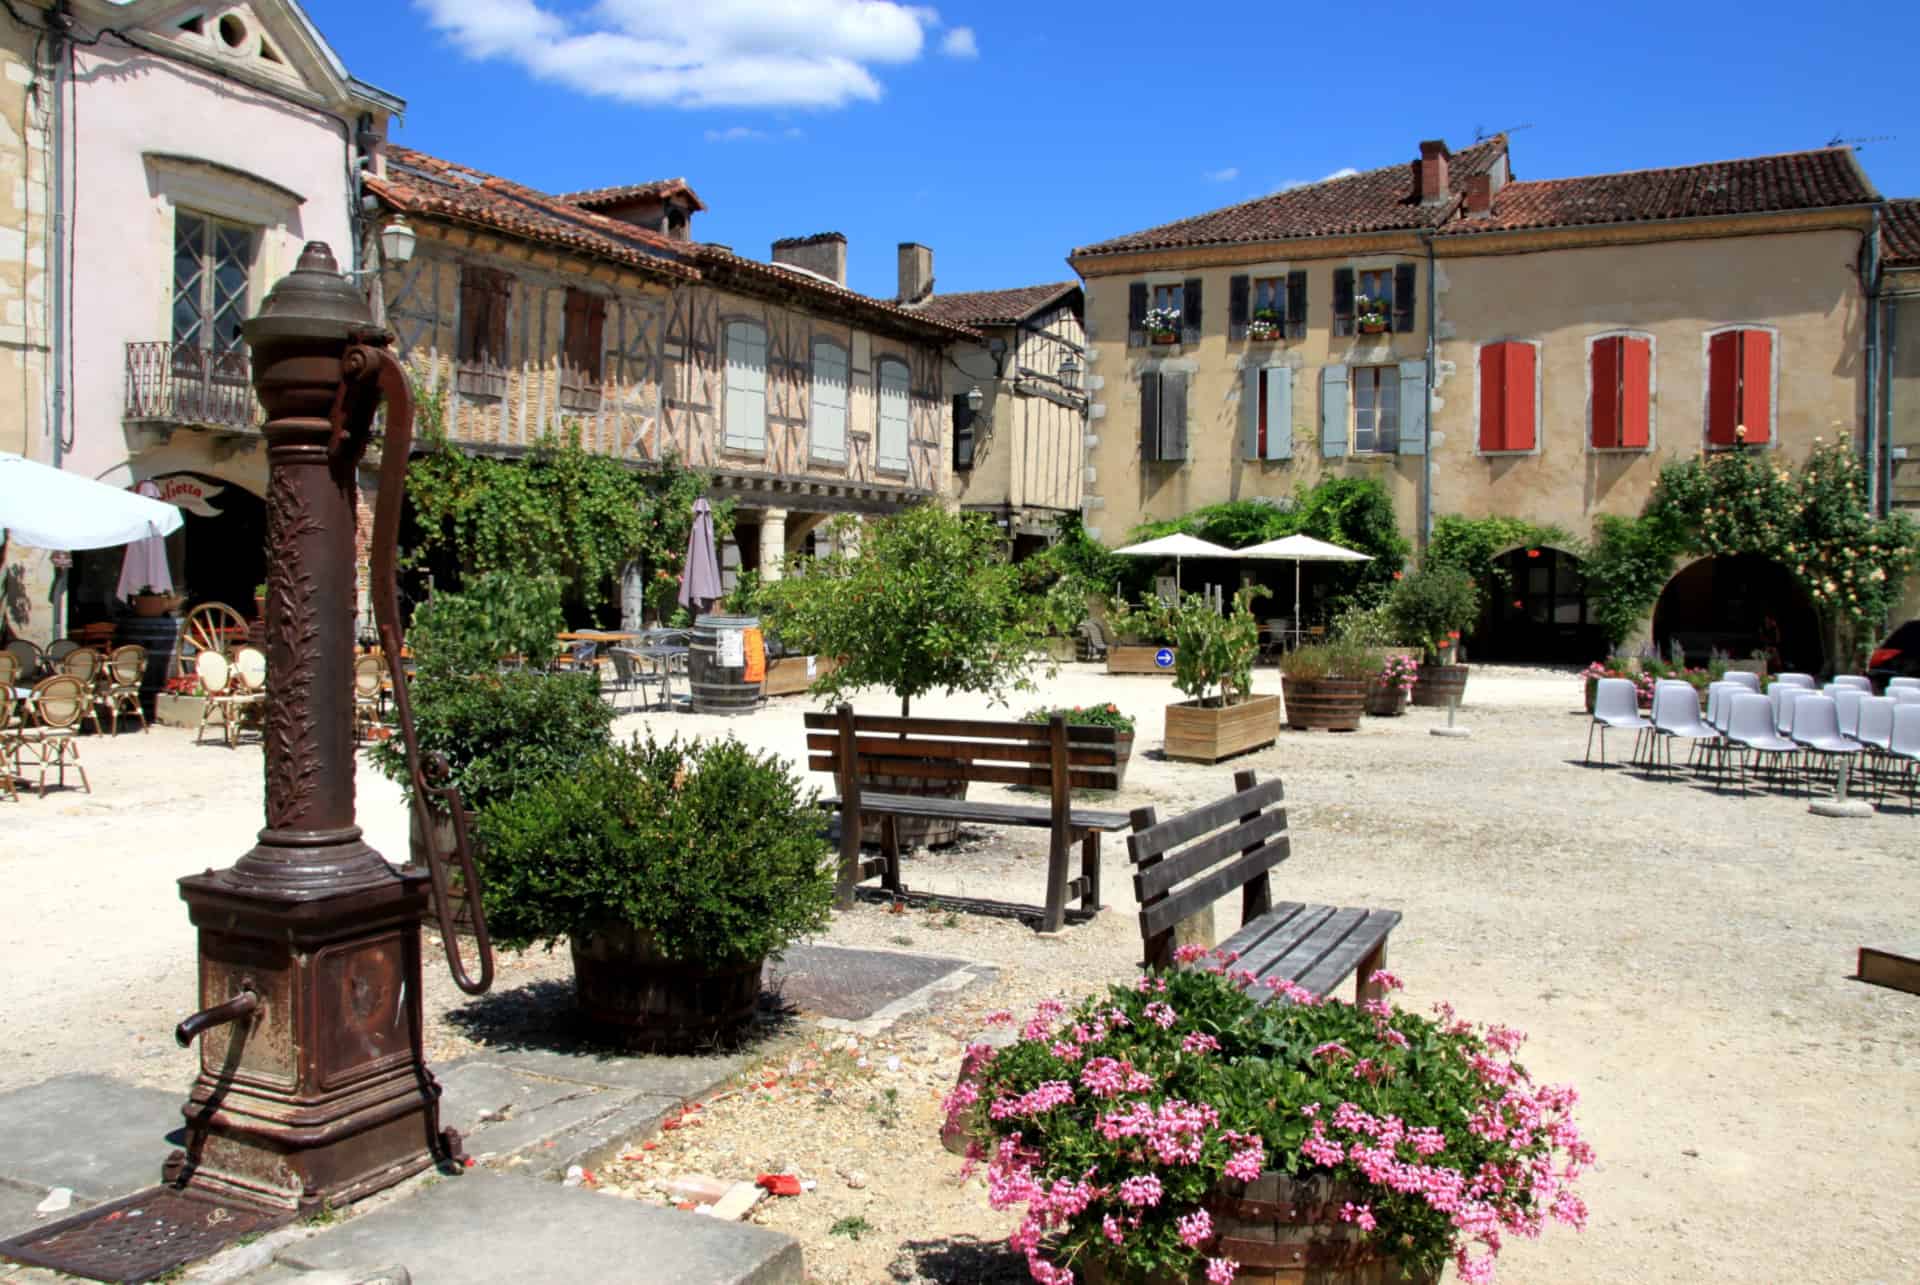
[171, 709]
[1134, 659]
[791, 674]
[1386, 700]
[1335, 704]
[156, 604]
[655, 1004]
[1373, 327]
[1256, 338]
[1165, 339]
[913, 832]
[1201, 733]
[1437, 683]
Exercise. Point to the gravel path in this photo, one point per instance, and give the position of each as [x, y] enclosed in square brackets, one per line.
[1681, 956]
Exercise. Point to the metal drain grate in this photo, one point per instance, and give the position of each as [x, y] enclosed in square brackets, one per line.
[140, 1238]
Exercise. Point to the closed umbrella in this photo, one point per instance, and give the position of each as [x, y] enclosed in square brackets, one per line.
[700, 580]
[1177, 546]
[1299, 549]
[145, 563]
[51, 508]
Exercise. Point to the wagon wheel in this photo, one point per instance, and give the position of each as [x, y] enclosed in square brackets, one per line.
[208, 627]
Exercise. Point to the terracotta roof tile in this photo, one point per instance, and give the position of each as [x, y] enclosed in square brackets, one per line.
[597, 197]
[1753, 185]
[416, 183]
[992, 307]
[1900, 234]
[1379, 200]
[719, 259]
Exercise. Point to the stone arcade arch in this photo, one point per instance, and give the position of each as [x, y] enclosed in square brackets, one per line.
[1739, 604]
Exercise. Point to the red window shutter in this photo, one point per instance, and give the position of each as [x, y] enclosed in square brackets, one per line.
[1519, 413]
[1756, 383]
[502, 304]
[1493, 397]
[1606, 393]
[1723, 387]
[573, 342]
[1636, 392]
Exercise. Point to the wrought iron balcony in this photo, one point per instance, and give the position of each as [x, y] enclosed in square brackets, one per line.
[169, 383]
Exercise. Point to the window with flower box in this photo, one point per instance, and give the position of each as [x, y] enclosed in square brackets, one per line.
[1374, 301]
[1264, 309]
[1163, 313]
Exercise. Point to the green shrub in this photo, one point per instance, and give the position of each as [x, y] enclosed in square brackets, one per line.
[715, 850]
[1088, 715]
[1145, 623]
[1338, 659]
[1431, 606]
[1366, 626]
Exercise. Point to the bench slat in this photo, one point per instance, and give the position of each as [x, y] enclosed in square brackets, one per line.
[1084, 778]
[1304, 951]
[878, 750]
[1181, 866]
[1011, 814]
[1344, 959]
[1261, 941]
[1168, 834]
[1204, 891]
[1078, 733]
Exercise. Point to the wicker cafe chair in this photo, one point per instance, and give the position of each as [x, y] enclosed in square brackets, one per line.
[10, 716]
[226, 696]
[119, 685]
[84, 663]
[58, 704]
[11, 675]
[27, 656]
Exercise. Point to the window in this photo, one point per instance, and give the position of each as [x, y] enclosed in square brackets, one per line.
[1375, 304]
[1622, 369]
[962, 433]
[1739, 387]
[1376, 410]
[486, 296]
[827, 409]
[1269, 298]
[582, 350]
[1376, 301]
[1507, 396]
[211, 265]
[1163, 415]
[890, 439]
[744, 417]
[1169, 298]
[1267, 411]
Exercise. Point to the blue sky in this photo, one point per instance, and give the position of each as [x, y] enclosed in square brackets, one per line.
[1005, 134]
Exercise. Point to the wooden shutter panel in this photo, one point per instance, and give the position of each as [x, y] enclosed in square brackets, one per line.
[1636, 393]
[1279, 383]
[1605, 431]
[1150, 415]
[1173, 415]
[1252, 407]
[1413, 407]
[1493, 397]
[573, 331]
[473, 312]
[962, 433]
[498, 307]
[1723, 387]
[1296, 315]
[1519, 418]
[1756, 383]
[1239, 310]
[1136, 314]
[1190, 310]
[593, 359]
[1333, 408]
[1403, 291]
[1343, 301]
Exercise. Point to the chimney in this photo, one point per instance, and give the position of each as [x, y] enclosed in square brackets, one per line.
[1480, 196]
[823, 252]
[916, 273]
[1433, 171]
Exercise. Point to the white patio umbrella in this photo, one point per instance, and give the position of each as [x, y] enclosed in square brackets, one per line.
[1177, 546]
[1299, 549]
[51, 508]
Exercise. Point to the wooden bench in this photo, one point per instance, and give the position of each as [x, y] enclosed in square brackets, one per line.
[1043, 756]
[1184, 865]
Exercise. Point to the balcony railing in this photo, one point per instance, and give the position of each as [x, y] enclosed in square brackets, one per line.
[170, 383]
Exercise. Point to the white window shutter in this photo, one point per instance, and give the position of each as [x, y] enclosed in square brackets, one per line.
[745, 413]
[1333, 411]
[893, 427]
[827, 413]
[1413, 407]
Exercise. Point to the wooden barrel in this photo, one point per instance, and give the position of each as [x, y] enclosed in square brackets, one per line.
[657, 1005]
[720, 688]
[1439, 683]
[1335, 704]
[913, 832]
[1386, 700]
[159, 635]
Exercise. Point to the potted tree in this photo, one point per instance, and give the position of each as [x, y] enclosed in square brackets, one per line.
[673, 871]
[1214, 667]
[1431, 606]
[1142, 637]
[1327, 685]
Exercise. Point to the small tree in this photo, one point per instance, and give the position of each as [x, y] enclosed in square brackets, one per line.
[1212, 651]
[929, 603]
[1431, 606]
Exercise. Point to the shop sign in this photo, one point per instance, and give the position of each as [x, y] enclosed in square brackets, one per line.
[189, 493]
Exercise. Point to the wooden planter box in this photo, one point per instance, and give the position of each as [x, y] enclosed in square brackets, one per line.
[1128, 658]
[173, 710]
[1334, 704]
[1206, 734]
[792, 674]
[653, 1004]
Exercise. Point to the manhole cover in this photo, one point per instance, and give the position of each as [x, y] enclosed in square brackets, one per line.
[140, 1238]
[842, 982]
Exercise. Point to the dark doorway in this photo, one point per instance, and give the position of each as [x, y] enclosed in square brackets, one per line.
[1739, 604]
[1537, 610]
[216, 556]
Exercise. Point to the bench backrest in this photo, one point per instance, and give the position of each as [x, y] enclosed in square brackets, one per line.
[1185, 864]
[954, 749]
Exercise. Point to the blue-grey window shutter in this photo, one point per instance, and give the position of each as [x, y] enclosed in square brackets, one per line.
[1150, 415]
[1136, 314]
[1333, 411]
[1250, 414]
[1173, 415]
[1413, 407]
[1193, 316]
[1279, 413]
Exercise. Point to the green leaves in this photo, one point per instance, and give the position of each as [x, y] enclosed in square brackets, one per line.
[1212, 650]
[1433, 603]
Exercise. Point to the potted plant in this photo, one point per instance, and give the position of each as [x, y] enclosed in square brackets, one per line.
[1265, 326]
[1388, 696]
[673, 871]
[260, 601]
[1142, 637]
[1432, 606]
[1153, 1128]
[1326, 685]
[1370, 315]
[1162, 325]
[154, 602]
[1094, 716]
[1213, 665]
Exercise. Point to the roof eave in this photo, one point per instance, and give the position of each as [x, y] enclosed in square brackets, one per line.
[1466, 234]
[640, 261]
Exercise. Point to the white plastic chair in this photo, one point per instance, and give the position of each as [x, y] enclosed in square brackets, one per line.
[1676, 714]
[1616, 707]
[1905, 695]
[1897, 684]
[1860, 681]
[1743, 678]
[1783, 698]
[1846, 703]
[1816, 726]
[1750, 728]
[1794, 680]
[1903, 748]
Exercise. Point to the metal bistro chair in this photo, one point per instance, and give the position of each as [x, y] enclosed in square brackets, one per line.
[119, 686]
[1616, 708]
[57, 705]
[368, 673]
[1750, 730]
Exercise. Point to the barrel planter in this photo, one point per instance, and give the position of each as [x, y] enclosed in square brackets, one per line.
[1386, 700]
[1127, 658]
[159, 635]
[1280, 1229]
[720, 688]
[652, 1004]
[1437, 684]
[913, 832]
[1333, 704]
[1203, 733]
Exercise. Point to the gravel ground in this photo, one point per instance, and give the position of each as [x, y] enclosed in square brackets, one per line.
[1681, 956]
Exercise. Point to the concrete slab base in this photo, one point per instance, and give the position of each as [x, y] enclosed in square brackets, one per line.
[102, 1138]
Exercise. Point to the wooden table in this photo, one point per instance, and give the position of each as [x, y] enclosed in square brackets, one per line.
[599, 636]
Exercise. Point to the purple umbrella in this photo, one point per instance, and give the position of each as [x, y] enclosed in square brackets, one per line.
[700, 582]
[145, 563]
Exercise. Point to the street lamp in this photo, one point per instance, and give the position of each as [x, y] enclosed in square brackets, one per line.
[1069, 372]
[396, 242]
[975, 399]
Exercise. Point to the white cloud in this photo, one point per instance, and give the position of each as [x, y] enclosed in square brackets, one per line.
[719, 53]
[1345, 171]
[959, 43]
[1226, 175]
[736, 134]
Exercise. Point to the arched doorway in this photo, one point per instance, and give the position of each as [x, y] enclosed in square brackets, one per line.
[219, 554]
[1738, 604]
[1537, 610]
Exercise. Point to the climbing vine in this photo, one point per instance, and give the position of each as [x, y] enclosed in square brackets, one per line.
[1475, 544]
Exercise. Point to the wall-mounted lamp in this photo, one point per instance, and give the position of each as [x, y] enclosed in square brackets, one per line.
[975, 399]
[396, 242]
[1069, 372]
